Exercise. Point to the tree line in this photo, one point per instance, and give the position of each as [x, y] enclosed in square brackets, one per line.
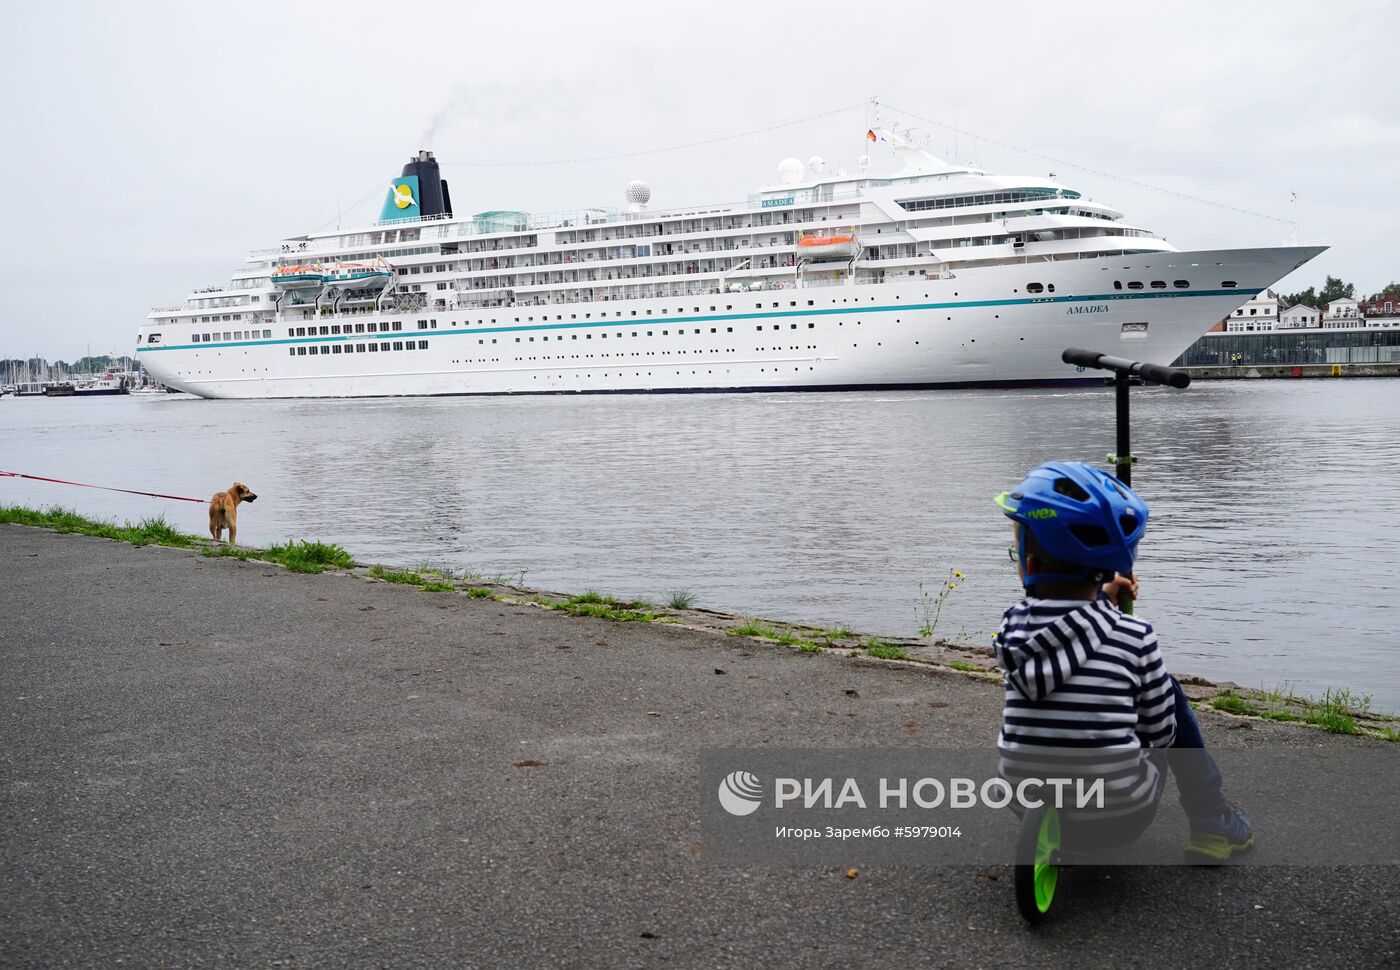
[1334, 289]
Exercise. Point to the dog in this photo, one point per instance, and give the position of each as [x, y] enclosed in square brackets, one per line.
[223, 511]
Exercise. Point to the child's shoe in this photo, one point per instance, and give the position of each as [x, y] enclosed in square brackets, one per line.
[1215, 840]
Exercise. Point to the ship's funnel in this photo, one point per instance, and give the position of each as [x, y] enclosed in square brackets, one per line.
[419, 192]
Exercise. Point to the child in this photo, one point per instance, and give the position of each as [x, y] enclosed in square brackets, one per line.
[1087, 680]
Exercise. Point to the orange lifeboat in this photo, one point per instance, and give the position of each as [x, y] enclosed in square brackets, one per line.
[827, 247]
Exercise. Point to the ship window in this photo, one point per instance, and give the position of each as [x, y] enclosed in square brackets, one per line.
[398, 345]
[359, 328]
[301, 351]
[398, 324]
[422, 345]
[1229, 284]
[1050, 287]
[811, 326]
[374, 348]
[335, 349]
[728, 329]
[1135, 285]
[325, 330]
[1034, 288]
[1181, 284]
[1159, 284]
[267, 333]
[228, 335]
[359, 348]
[194, 338]
[1117, 284]
[291, 351]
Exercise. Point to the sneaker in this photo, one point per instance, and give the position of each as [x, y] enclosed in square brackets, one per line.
[1215, 840]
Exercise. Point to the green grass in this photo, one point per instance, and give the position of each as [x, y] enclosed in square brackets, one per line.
[480, 593]
[401, 577]
[1334, 712]
[303, 556]
[752, 628]
[151, 531]
[878, 648]
[1232, 703]
[593, 603]
[830, 635]
[680, 599]
[1391, 734]
[965, 666]
[438, 587]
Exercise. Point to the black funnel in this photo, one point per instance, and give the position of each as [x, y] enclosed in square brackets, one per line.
[430, 184]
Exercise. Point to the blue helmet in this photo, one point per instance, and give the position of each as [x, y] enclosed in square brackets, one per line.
[1080, 515]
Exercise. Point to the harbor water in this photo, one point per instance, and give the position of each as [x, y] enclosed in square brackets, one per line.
[1268, 559]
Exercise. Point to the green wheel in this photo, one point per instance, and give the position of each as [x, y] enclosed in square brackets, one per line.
[1037, 848]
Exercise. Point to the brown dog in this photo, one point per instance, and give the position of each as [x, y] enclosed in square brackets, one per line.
[223, 511]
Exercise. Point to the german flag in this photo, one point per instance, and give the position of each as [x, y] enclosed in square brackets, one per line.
[870, 133]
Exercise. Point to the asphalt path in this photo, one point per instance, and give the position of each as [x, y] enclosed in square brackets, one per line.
[212, 763]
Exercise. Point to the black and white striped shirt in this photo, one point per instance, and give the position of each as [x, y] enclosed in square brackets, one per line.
[1084, 681]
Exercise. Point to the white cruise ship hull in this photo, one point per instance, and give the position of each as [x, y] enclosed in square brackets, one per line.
[980, 328]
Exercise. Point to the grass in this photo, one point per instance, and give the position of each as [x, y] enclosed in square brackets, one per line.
[152, 531]
[681, 599]
[480, 593]
[965, 666]
[1337, 712]
[303, 556]
[752, 628]
[401, 577]
[593, 603]
[438, 587]
[881, 650]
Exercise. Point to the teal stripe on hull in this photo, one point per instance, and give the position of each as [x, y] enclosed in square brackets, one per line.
[636, 321]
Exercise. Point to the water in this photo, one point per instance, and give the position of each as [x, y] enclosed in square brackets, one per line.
[1268, 560]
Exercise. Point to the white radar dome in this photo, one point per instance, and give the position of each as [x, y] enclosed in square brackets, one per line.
[816, 165]
[790, 171]
[863, 162]
[637, 192]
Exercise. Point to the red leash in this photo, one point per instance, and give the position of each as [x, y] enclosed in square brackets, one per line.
[105, 488]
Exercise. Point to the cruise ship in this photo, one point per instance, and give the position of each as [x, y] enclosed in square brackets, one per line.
[929, 275]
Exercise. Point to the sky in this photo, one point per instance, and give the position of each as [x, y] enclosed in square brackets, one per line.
[152, 145]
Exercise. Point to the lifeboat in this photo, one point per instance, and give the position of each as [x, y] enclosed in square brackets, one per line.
[827, 247]
[303, 276]
[358, 276]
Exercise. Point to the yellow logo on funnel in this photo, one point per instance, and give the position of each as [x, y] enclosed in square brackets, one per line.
[403, 196]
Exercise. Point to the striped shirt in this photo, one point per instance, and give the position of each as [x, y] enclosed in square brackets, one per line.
[1085, 685]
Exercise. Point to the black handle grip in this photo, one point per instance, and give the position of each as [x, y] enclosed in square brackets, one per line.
[1156, 373]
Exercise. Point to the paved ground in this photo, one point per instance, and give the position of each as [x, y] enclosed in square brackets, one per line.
[213, 763]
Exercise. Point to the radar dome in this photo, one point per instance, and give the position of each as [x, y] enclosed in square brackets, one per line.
[637, 193]
[790, 171]
[816, 165]
[863, 162]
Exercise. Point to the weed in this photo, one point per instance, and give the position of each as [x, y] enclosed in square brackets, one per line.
[752, 628]
[1231, 703]
[1334, 712]
[807, 646]
[1390, 734]
[681, 599]
[929, 606]
[965, 666]
[621, 612]
[878, 648]
[301, 556]
[433, 587]
[480, 593]
[395, 576]
[592, 596]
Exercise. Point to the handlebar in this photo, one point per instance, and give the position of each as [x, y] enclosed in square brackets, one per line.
[1155, 373]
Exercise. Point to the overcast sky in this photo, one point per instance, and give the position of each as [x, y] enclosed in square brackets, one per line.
[150, 146]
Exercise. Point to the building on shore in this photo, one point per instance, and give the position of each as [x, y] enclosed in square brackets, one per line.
[1300, 317]
[1266, 330]
[1261, 313]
